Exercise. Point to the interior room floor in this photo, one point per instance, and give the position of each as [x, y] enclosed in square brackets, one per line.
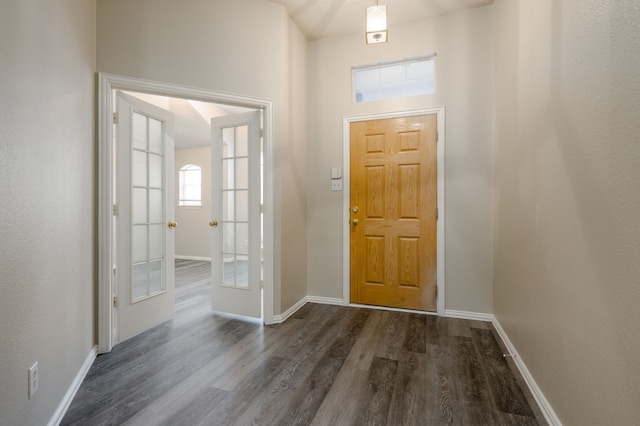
[326, 365]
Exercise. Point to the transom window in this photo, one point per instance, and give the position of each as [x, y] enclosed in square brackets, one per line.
[190, 186]
[396, 79]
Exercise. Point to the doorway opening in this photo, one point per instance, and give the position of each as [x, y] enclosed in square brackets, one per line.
[193, 110]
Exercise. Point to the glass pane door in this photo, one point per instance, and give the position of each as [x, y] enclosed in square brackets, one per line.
[235, 207]
[147, 170]
[236, 229]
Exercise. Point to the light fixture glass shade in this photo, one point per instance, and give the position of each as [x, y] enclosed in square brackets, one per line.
[376, 24]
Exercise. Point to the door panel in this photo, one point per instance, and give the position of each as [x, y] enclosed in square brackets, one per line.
[236, 225]
[145, 244]
[393, 212]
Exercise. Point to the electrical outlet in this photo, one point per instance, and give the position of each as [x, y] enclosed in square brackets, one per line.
[34, 380]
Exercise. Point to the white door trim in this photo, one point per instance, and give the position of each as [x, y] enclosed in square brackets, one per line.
[346, 196]
[107, 84]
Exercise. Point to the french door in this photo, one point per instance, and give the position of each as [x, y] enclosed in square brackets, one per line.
[143, 215]
[236, 225]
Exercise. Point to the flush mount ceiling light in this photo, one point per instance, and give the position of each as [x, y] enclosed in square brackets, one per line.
[376, 24]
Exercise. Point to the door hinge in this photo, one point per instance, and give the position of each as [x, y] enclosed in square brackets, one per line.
[262, 133]
[116, 210]
[115, 301]
[261, 284]
[437, 135]
[437, 213]
[115, 118]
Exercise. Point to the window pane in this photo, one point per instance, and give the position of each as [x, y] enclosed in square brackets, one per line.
[229, 273]
[242, 141]
[228, 238]
[139, 287]
[156, 283]
[155, 136]
[228, 206]
[139, 168]
[139, 243]
[155, 171]
[242, 206]
[155, 241]
[242, 238]
[392, 74]
[228, 145]
[242, 272]
[139, 205]
[155, 206]
[139, 131]
[370, 77]
[242, 173]
[190, 186]
[395, 80]
[228, 174]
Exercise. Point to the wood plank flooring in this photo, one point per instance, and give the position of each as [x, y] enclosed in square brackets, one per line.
[326, 365]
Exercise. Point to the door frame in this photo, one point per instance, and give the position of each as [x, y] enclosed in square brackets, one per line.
[346, 198]
[107, 85]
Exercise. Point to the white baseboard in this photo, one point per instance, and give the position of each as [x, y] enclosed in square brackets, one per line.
[277, 319]
[73, 389]
[544, 405]
[325, 300]
[204, 259]
[387, 308]
[474, 316]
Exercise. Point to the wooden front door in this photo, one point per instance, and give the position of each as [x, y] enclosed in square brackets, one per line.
[394, 212]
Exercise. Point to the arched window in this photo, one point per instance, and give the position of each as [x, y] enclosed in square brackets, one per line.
[190, 184]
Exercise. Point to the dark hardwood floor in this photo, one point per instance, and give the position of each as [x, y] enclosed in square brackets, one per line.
[326, 365]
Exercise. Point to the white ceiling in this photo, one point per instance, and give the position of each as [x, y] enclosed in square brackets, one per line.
[324, 18]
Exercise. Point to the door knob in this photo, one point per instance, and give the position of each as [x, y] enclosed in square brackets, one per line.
[355, 221]
[172, 224]
[213, 223]
[355, 209]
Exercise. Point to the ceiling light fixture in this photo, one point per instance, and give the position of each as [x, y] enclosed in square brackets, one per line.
[376, 24]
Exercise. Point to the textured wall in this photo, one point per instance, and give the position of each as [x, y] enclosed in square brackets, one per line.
[241, 47]
[464, 71]
[193, 235]
[47, 199]
[567, 243]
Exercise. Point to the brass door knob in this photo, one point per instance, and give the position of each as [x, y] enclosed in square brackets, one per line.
[172, 224]
[355, 221]
[213, 223]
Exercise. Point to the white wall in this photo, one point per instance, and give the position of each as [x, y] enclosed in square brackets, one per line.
[193, 234]
[464, 65]
[242, 47]
[568, 201]
[47, 171]
[294, 169]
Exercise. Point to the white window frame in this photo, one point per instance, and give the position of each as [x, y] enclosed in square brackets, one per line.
[404, 82]
[182, 186]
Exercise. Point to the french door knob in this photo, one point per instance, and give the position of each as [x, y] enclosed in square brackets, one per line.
[172, 224]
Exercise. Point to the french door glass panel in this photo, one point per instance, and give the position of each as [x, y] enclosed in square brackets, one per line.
[235, 206]
[148, 215]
